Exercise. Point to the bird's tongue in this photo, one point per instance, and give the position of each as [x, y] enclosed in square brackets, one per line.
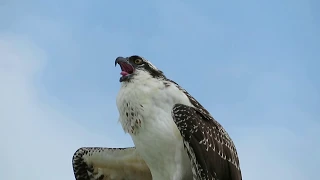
[124, 73]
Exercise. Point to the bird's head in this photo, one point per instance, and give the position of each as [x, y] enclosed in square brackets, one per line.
[134, 66]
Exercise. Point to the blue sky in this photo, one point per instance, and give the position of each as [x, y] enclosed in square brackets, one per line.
[252, 64]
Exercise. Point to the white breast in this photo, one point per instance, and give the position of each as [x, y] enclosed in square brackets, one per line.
[145, 112]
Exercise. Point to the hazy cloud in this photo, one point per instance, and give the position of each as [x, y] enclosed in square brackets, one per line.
[38, 140]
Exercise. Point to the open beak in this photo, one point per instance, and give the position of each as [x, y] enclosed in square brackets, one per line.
[126, 68]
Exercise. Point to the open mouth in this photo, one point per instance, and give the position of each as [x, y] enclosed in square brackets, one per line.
[126, 69]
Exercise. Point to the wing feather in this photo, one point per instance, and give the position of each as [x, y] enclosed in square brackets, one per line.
[211, 150]
[95, 163]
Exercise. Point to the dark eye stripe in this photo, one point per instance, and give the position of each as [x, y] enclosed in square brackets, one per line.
[144, 64]
[133, 58]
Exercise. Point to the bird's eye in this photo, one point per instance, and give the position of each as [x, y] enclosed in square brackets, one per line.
[138, 61]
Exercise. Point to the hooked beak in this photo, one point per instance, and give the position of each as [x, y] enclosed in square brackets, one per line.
[126, 68]
[120, 60]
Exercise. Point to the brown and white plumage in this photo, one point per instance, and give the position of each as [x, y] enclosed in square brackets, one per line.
[175, 137]
[212, 152]
[96, 163]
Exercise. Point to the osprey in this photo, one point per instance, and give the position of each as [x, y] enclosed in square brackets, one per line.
[175, 137]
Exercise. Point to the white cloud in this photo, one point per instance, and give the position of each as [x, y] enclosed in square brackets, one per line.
[37, 141]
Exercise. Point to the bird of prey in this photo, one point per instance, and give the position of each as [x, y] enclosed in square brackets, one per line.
[175, 137]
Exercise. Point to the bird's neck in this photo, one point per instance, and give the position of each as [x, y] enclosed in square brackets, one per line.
[139, 101]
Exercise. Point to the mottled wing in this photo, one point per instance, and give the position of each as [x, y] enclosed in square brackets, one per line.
[212, 152]
[94, 163]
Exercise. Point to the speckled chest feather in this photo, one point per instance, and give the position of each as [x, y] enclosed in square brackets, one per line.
[144, 98]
